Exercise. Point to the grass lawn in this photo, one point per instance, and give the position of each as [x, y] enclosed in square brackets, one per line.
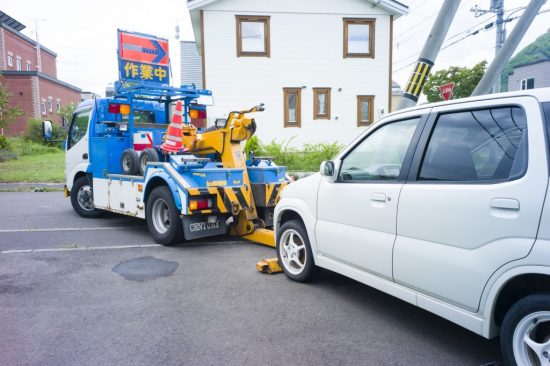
[47, 167]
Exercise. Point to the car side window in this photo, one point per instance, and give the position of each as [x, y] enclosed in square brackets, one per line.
[477, 145]
[79, 126]
[380, 156]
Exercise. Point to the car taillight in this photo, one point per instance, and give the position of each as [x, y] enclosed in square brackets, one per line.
[203, 204]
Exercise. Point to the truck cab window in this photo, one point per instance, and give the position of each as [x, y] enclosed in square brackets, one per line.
[79, 127]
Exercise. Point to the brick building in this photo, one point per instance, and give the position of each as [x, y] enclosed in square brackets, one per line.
[29, 71]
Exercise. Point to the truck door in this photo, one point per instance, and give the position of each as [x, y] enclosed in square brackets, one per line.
[77, 156]
[473, 198]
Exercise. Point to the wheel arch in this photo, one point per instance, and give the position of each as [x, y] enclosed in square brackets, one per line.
[510, 287]
[295, 209]
[161, 180]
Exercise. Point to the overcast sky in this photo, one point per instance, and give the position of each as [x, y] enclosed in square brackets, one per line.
[83, 34]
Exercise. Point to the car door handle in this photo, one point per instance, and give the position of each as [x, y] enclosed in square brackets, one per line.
[505, 203]
[378, 197]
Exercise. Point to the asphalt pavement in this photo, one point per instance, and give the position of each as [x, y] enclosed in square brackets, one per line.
[77, 291]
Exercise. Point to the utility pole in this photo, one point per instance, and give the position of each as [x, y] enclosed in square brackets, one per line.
[428, 54]
[496, 67]
[497, 7]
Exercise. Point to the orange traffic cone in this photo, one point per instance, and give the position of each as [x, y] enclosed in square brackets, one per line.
[173, 135]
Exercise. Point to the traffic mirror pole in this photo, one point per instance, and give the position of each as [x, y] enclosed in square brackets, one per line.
[495, 69]
[422, 68]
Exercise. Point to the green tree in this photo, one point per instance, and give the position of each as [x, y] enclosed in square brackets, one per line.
[465, 79]
[66, 113]
[8, 114]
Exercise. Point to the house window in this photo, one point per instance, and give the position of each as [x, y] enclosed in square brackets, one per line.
[43, 106]
[58, 106]
[359, 37]
[528, 84]
[10, 60]
[321, 103]
[50, 105]
[365, 110]
[28, 66]
[293, 108]
[18, 63]
[253, 36]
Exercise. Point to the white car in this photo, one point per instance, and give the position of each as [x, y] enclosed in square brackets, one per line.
[445, 206]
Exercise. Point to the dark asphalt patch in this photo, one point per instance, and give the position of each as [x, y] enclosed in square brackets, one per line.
[145, 268]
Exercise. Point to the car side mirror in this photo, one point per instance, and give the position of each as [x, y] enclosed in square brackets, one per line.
[47, 130]
[327, 168]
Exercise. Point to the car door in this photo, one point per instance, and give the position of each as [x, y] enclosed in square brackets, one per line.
[356, 213]
[473, 199]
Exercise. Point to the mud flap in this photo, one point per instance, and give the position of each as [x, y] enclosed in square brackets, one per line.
[201, 226]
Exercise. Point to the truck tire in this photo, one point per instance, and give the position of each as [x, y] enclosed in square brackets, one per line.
[147, 156]
[163, 218]
[525, 328]
[82, 198]
[294, 252]
[130, 162]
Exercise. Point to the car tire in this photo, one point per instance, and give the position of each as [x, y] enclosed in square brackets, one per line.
[130, 162]
[147, 156]
[526, 324]
[294, 252]
[163, 218]
[82, 198]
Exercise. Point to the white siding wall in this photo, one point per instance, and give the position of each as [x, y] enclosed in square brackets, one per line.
[306, 50]
[191, 64]
[539, 71]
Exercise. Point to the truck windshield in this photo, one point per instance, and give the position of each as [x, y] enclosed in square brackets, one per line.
[79, 126]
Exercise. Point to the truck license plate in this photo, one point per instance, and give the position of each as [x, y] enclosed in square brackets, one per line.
[200, 226]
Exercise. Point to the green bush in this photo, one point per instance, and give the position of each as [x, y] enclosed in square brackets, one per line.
[34, 133]
[23, 147]
[4, 143]
[308, 158]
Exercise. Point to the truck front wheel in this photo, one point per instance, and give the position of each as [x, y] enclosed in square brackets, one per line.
[163, 218]
[82, 198]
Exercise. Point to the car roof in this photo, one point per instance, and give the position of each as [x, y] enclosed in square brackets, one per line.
[541, 94]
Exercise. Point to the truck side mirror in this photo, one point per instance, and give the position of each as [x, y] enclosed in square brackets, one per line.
[47, 130]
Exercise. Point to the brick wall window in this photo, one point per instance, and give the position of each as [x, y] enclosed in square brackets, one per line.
[50, 105]
[253, 36]
[29, 66]
[359, 37]
[43, 106]
[365, 110]
[19, 64]
[293, 107]
[58, 106]
[10, 60]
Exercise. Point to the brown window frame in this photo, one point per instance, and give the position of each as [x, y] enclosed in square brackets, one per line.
[316, 92]
[370, 100]
[371, 22]
[286, 92]
[267, 44]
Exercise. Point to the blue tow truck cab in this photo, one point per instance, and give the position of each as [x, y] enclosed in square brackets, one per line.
[114, 163]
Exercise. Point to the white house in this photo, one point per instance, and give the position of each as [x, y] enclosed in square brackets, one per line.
[322, 67]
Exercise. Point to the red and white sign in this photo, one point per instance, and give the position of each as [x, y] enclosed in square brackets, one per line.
[446, 90]
[143, 140]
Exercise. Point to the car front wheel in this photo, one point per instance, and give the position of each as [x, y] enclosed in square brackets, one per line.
[525, 332]
[294, 252]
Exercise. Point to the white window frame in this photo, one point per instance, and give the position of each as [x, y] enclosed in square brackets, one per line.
[19, 63]
[524, 82]
[10, 60]
[58, 106]
[50, 105]
[29, 66]
[43, 106]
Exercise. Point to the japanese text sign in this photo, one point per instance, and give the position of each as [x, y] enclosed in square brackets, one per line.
[143, 58]
[446, 90]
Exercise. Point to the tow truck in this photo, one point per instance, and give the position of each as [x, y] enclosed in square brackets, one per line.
[115, 162]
